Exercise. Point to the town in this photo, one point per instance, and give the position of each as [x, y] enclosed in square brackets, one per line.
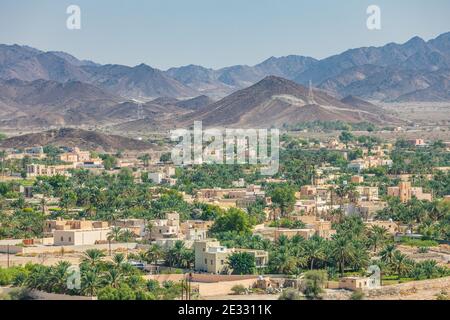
[139, 227]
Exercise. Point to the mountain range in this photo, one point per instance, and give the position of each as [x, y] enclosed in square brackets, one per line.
[393, 72]
[44, 89]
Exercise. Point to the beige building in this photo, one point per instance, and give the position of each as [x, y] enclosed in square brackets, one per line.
[60, 224]
[80, 237]
[367, 193]
[211, 257]
[357, 179]
[35, 170]
[166, 228]
[354, 283]
[137, 226]
[405, 192]
[76, 156]
[195, 229]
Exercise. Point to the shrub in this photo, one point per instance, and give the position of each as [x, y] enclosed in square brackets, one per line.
[357, 295]
[238, 289]
[314, 283]
[290, 294]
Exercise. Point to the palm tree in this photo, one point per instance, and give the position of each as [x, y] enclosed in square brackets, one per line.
[377, 236]
[343, 252]
[284, 263]
[154, 253]
[93, 257]
[128, 235]
[187, 258]
[44, 205]
[341, 191]
[429, 268]
[148, 228]
[401, 264]
[387, 254]
[145, 159]
[314, 251]
[60, 273]
[174, 254]
[113, 277]
[118, 260]
[2, 161]
[114, 234]
[90, 283]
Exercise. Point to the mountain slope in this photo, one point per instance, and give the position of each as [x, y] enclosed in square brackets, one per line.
[276, 101]
[141, 81]
[89, 140]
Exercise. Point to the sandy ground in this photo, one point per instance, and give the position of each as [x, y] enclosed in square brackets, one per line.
[42, 259]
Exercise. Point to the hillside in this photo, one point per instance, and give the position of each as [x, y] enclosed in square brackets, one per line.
[276, 101]
[88, 140]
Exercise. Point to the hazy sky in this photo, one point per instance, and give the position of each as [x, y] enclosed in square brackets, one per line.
[214, 33]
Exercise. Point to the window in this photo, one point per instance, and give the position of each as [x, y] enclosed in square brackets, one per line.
[221, 262]
[70, 239]
[62, 238]
[206, 261]
[211, 262]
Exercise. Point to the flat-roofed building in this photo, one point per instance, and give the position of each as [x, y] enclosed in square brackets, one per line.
[405, 192]
[79, 237]
[212, 257]
[35, 170]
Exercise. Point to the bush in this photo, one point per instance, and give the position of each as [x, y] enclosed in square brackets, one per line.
[238, 289]
[9, 275]
[290, 294]
[442, 296]
[357, 295]
[16, 294]
[314, 283]
[419, 243]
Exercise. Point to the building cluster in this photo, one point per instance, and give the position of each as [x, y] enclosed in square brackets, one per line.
[234, 197]
[406, 192]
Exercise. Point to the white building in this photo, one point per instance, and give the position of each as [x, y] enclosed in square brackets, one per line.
[80, 237]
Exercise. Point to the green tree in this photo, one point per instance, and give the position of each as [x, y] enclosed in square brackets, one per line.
[377, 236]
[346, 137]
[234, 220]
[242, 263]
[314, 282]
[283, 198]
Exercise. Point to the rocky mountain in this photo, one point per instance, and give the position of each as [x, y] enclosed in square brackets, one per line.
[142, 81]
[88, 140]
[218, 83]
[438, 92]
[377, 73]
[195, 103]
[275, 101]
[384, 73]
[43, 103]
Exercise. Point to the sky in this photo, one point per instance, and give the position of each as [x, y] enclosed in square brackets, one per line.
[215, 33]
